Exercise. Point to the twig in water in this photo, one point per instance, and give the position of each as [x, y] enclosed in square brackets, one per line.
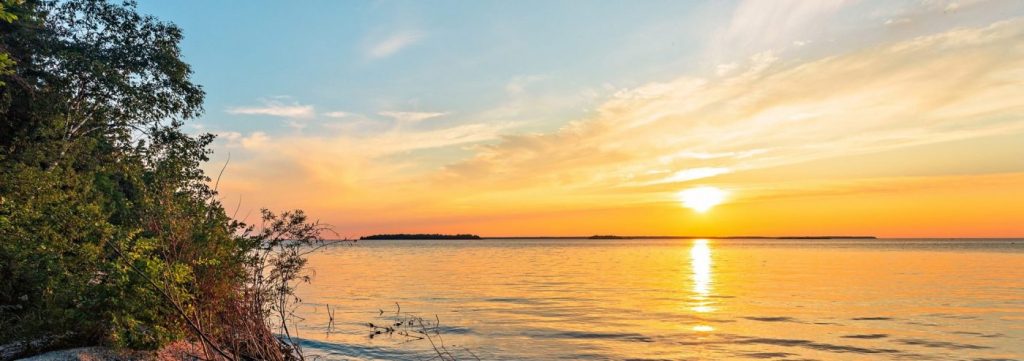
[414, 328]
[330, 323]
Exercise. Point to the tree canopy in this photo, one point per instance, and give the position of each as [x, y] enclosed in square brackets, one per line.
[110, 232]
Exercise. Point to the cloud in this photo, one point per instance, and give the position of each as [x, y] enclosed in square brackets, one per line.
[235, 139]
[643, 144]
[897, 21]
[410, 117]
[344, 169]
[276, 108]
[336, 114]
[393, 44]
[960, 84]
[695, 173]
[758, 26]
[724, 69]
[705, 155]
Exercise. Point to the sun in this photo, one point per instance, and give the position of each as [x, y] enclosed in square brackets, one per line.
[702, 198]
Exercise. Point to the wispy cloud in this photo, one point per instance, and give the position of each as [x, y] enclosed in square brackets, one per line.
[358, 174]
[276, 108]
[393, 44]
[254, 140]
[337, 114]
[759, 113]
[694, 174]
[411, 117]
[881, 98]
[758, 26]
[897, 21]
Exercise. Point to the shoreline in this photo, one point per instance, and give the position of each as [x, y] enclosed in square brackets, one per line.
[175, 351]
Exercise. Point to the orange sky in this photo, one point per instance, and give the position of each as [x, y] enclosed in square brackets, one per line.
[895, 134]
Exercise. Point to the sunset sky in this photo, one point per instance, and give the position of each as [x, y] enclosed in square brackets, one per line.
[886, 118]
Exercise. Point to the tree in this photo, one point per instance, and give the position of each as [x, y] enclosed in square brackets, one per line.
[110, 232]
[90, 67]
[7, 16]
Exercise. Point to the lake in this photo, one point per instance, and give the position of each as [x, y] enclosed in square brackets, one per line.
[669, 299]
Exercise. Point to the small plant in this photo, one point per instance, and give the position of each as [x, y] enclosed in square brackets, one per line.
[275, 267]
[410, 327]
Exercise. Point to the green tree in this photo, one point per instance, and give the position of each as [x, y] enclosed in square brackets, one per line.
[6, 15]
[109, 230]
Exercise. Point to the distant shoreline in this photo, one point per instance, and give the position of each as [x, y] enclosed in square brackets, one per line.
[427, 237]
[419, 236]
[685, 237]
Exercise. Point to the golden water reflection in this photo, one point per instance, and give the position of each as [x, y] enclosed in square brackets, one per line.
[700, 262]
[703, 328]
[683, 299]
[700, 259]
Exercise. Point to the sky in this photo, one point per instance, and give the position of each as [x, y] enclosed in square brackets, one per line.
[519, 118]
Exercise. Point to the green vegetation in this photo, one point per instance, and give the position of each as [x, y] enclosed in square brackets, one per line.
[7, 16]
[110, 232]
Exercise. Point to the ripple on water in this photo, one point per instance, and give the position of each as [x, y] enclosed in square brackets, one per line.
[772, 319]
[579, 299]
[873, 318]
[941, 344]
[869, 336]
[631, 337]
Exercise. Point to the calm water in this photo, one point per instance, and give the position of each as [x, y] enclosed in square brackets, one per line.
[674, 299]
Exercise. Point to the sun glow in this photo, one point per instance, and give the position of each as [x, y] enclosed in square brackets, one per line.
[702, 198]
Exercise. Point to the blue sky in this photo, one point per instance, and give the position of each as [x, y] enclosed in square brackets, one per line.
[496, 116]
[456, 57]
[465, 59]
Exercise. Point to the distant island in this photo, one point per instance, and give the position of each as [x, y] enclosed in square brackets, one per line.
[611, 236]
[420, 236]
[434, 236]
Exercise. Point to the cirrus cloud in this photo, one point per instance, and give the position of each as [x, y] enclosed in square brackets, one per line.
[959, 84]
[276, 108]
[645, 143]
[393, 44]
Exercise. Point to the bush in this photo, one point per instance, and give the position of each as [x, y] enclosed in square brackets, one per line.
[110, 232]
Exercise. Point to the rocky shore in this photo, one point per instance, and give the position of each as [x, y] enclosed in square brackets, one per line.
[178, 351]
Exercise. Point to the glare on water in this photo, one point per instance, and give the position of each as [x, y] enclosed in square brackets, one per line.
[675, 299]
[700, 262]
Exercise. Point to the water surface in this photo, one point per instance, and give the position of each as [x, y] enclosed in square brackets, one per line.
[673, 299]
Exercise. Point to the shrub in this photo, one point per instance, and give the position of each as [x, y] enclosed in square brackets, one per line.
[110, 232]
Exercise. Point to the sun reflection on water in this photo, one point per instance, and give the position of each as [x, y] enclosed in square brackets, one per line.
[703, 328]
[700, 261]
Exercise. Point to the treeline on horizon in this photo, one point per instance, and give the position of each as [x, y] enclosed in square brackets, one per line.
[435, 236]
[110, 232]
[421, 236]
[608, 236]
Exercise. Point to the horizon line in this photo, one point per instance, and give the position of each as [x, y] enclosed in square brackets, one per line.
[704, 237]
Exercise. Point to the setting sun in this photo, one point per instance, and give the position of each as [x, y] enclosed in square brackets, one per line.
[702, 198]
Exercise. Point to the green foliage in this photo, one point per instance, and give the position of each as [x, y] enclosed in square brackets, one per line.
[109, 230]
[7, 16]
[86, 77]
